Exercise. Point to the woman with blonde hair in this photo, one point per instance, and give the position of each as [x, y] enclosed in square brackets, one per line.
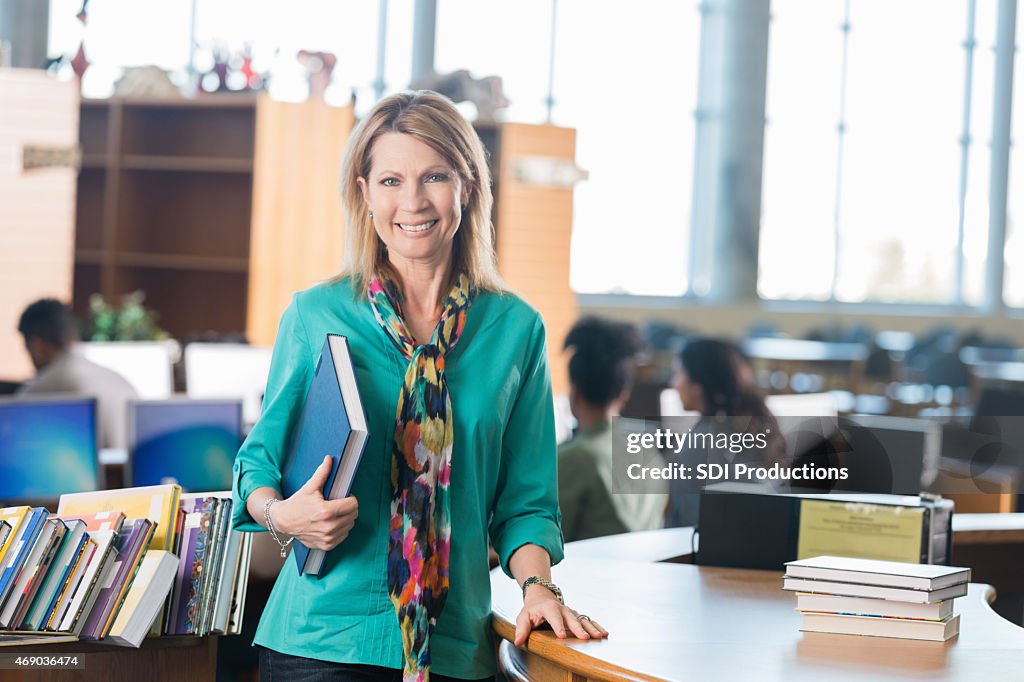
[452, 370]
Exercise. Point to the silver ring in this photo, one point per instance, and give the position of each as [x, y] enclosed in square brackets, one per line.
[583, 618]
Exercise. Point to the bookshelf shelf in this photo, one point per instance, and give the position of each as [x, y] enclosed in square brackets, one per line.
[199, 164]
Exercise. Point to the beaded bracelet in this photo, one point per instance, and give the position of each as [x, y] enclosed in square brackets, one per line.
[270, 526]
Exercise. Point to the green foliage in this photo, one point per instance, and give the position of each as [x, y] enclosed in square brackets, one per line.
[130, 321]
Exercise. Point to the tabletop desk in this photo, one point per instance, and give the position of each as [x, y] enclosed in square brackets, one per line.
[683, 622]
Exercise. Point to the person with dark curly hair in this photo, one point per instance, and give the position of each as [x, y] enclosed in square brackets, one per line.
[601, 376]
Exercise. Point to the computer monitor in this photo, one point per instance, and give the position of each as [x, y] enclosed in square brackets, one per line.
[228, 370]
[802, 405]
[896, 455]
[146, 365]
[48, 447]
[189, 442]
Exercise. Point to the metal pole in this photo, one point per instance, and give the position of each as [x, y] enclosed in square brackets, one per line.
[1006, 29]
[382, 47]
[424, 28]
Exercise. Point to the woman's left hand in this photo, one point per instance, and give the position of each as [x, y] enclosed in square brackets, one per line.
[541, 606]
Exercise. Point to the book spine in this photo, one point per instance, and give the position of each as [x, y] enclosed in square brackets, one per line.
[37, 580]
[88, 589]
[49, 593]
[138, 554]
[67, 592]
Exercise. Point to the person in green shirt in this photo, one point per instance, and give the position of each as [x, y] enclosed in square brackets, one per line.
[600, 379]
[453, 375]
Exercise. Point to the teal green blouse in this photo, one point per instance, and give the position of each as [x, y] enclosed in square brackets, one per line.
[504, 481]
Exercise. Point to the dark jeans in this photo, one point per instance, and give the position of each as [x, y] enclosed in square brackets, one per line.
[278, 667]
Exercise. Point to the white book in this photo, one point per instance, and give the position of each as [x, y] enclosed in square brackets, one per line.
[901, 628]
[874, 591]
[863, 606]
[241, 584]
[96, 575]
[153, 582]
[875, 572]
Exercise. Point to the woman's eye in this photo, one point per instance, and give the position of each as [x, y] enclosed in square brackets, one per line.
[437, 177]
[389, 182]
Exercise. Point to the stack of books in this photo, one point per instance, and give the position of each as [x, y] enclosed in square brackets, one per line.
[844, 595]
[113, 566]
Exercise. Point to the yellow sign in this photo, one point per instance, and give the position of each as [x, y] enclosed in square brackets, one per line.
[857, 529]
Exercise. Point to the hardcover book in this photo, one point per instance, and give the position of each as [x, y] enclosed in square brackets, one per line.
[863, 606]
[874, 591]
[881, 573]
[199, 516]
[332, 422]
[158, 503]
[142, 604]
[931, 630]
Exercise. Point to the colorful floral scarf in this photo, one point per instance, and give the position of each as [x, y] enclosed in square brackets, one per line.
[420, 536]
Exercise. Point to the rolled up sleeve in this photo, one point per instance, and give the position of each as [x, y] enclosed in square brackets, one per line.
[526, 505]
[261, 456]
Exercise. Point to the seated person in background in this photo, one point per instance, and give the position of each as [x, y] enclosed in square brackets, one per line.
[600, 377]
[50, 334]
[714, 379]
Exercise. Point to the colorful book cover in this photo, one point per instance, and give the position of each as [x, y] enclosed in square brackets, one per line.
[64, 561]
[200, 514]
[158, 503]
[220, 522]
[167, 618]
[127, 584]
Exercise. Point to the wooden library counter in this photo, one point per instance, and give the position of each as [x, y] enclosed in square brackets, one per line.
[159, 658]
[681, 622]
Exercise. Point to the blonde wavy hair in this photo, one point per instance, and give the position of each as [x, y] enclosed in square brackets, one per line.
[432, 119]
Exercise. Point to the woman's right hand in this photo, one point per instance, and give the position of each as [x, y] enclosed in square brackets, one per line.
[316, 522]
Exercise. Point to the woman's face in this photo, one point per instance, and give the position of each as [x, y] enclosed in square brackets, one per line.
[691, 393]
[415, 197]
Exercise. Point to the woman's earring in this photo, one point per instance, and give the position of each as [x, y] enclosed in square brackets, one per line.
[371, 215]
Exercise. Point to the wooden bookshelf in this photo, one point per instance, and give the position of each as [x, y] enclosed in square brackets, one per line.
[164, 205]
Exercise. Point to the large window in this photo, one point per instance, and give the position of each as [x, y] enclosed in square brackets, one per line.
[1013, 279]
[626, 80]
[876, 151]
